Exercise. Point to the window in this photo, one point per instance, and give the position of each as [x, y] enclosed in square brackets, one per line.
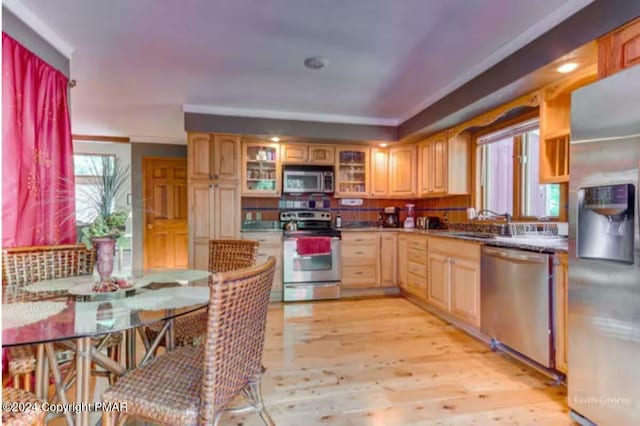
[88, 167]
[509, 171]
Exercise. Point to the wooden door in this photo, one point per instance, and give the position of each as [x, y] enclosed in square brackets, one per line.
[440, 166]
[425, 164]
[165, 218]
[465, 290]
[402, 261]
[322, 154]
[402, 171]
[200, 153]
[388, 256]
[226, 157]
[379, 172]
[561, 308]
[226, 211]
[438, 283]
[201, 206]
[294, 154]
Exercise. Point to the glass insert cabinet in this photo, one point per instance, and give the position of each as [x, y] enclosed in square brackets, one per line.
[261, 172]
[352, 171]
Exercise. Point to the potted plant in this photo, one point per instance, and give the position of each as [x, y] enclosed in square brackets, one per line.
[104, 188]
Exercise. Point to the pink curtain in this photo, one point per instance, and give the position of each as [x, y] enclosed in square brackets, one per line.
[38, 200]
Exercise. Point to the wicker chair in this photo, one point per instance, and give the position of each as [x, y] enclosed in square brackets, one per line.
[25, 265]
[195, 384]
[34, 416]
[224, 256]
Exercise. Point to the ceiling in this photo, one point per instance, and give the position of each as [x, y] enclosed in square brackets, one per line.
[138, 62]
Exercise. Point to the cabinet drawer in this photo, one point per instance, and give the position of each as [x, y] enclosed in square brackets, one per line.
[358, 238]
[358, 276]
[417, 285]
[418, 256]
[417, 243]
[455, 248]
[263, 237]
[359, 255]
[418, 269]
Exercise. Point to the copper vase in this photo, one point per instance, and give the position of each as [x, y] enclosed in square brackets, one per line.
[105, 250]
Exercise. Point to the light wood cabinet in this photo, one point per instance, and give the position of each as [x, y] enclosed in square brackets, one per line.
[402, 262]
[214, 212]
[261, 170]
[443, 165]
[307, 154]
[454, 278]
[402, 171]
[561, 309]
[296, 154]
[270, 245]
[359, 257]
[379, 172]
[417, 266]
[213, 156]
[322, 154]
[619, 49]
[388, 259]
[352, 172]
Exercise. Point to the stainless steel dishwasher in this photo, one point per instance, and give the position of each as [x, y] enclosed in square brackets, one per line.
[515, 302]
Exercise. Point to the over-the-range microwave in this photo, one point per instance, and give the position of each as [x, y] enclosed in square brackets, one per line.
[307, 179]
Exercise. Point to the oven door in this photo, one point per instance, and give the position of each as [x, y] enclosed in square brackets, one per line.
[301, 182]
[305, 269]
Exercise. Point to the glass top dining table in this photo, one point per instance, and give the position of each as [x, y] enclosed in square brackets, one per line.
[51, 310]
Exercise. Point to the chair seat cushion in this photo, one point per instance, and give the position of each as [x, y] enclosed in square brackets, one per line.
[189, 330]
[166, 390]
[21, 418]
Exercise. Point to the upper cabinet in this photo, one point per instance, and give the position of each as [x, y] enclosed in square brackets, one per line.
[307, 154]
[261, 173]
[213, 156]
[619, 49]
[555, 123]
[443, 164]
[379, 178]
[402, 171]
[352, 172]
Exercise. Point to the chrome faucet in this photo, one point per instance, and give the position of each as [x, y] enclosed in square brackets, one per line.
[507, 218]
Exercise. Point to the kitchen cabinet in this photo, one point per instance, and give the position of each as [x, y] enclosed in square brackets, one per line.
[294, 153]
[360, 259]
[443, 165]
[379, 172]
[270, 245]
[352, 172]
[322, 155]
[261, 170]
[388, 258]
[454, 278]
[307, 154]
[213, 156]
[402, 261]
[417, 266]
[561, 309]
[214, 213]
[402, 171]
[620, 49]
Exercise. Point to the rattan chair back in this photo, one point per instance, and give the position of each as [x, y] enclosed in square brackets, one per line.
[229, 255]
[26, 265]
[235, 335]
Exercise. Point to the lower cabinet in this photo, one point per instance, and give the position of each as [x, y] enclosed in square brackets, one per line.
[270, 245]
[454, 278]
[402, 266]
[417, 266]
[561, 293]
[369, 259]
[388, 259]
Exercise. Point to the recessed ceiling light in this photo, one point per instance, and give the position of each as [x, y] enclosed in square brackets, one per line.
[567, 67]
[275, 139]
[383, 145]
[316, 62]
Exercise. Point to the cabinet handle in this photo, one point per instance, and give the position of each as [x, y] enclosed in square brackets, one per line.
[215, 176]
[358, 273]
[359, 252]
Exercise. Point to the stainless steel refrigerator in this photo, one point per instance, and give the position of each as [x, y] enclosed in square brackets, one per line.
[604, 252]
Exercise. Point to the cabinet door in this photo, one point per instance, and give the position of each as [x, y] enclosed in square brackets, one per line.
[226, 157]
[425, 164]
[440, 166]
[261, 171]
[294, 153]
[561, 289]
[465, 290]
[402, 171]
[388, 253]
[200, 154]
[322, 154]
[226, 215]
[619, 49]
[201, 207]
[379, 172]
[402, 262]
[438, 283]
[352, 172]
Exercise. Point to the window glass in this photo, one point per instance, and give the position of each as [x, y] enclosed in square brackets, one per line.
[498, 176]
[538, 200]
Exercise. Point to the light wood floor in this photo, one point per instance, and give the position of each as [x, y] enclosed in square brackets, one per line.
[387, 362]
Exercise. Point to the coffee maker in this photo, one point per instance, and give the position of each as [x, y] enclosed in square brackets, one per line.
[391, 217]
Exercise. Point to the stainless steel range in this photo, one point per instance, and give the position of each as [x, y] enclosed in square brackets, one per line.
[311, 258]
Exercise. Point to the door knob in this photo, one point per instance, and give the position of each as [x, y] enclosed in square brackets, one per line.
[150, 226]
